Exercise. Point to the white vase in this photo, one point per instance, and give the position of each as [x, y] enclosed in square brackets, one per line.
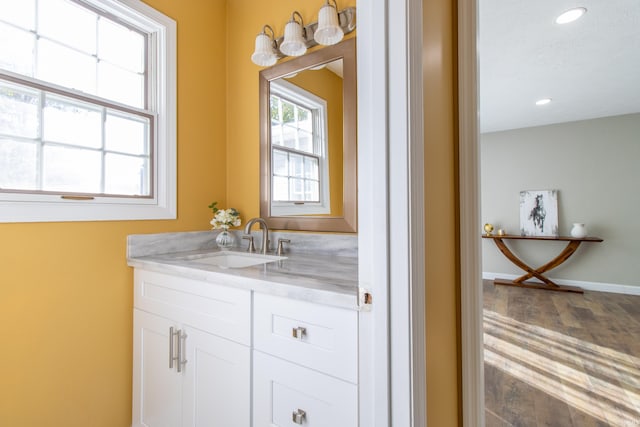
[579, 230]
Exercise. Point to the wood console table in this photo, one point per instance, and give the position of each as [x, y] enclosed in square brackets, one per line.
[547, 284]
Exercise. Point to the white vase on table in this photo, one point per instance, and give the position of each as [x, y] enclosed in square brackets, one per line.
[579, 230]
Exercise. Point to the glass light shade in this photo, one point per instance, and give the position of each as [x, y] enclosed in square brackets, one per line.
[293, 43]
[264, 54]
[328, 31]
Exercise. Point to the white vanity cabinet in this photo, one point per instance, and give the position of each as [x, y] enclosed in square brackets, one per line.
[192, 356]
[211, 355]
[305, 364]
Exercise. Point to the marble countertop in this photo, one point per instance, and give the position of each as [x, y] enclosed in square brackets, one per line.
[322, 278]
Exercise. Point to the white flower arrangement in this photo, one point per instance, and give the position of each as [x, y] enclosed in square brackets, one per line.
[224, 218]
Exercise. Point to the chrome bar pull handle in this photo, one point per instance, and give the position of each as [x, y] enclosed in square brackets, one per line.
[172, 333]
[299, 332]
[298, 416]
[182, 340]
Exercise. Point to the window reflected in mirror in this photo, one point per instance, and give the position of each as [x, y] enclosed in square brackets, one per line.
[299, 169]
[308, 141]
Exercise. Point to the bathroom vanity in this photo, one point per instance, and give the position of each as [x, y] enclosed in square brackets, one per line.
[270, 344]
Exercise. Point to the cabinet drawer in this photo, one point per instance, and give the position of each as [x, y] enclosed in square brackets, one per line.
[285, 394]
[317, 336]
[220, 310]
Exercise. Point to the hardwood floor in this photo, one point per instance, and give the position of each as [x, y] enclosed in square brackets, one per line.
[561, 359]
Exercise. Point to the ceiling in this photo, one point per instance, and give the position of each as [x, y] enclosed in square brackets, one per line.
[590, 68]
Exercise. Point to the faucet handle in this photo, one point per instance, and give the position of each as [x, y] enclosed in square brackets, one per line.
[281, 247]
[251, 248]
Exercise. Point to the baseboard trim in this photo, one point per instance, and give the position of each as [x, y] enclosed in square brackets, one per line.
[587, 286]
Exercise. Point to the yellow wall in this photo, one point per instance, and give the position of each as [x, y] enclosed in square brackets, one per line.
[65, 288]
[441, 207]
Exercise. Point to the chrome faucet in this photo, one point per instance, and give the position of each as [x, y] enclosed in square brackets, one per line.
[265, 232]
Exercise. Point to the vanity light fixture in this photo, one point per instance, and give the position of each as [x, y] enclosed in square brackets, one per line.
[328, 31]
[331, 27]
[571, 15]
[543, 101]
[294, 37]
[265, 54]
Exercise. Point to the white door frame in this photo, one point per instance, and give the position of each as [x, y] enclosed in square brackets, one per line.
[470, 249]
[390, 192]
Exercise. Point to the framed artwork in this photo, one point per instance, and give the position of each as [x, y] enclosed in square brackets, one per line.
[539, 213]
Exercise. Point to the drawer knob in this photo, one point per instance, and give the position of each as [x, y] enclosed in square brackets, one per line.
[299, 332]
[298, 416]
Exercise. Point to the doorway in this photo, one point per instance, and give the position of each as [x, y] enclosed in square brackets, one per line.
[471, 217]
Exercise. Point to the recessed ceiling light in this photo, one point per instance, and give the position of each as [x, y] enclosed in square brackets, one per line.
[543, 101]
[571, 15]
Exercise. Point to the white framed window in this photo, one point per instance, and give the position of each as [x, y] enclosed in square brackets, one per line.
[299, 151]
[87, 111]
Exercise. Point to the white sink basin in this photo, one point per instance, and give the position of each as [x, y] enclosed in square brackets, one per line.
[233, 259]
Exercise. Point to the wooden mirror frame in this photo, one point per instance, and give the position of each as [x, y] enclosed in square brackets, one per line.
[348, 221]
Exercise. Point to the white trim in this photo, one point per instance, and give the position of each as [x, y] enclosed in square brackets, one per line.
[399, 241]
[392, 377]
[406, 196]
[164, 205]
[470, 245]
[615, 288]
[373, 223]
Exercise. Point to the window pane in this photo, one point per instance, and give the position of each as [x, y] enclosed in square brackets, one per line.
[280, 163]
[68, 23]
[275, 109]
[19, 111]
[296, 165]
[288, 112]
[296, 189]
[126, 175]
[120, 85]
[304, 119]
[19, 12]
[70, 169]
[311, 168]
[16, 50]
[66, 67]
[280, 189]
[126, 135]
[276, 134]
[305, 142]
[18, 165]
[120, 45]
[312, 191]
[289, 136]
[71, 123]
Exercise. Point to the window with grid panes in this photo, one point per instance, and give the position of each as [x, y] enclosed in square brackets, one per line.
[298, 151]
[87, 121]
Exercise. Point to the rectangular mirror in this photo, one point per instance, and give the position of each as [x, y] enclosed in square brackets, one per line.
[308, 147]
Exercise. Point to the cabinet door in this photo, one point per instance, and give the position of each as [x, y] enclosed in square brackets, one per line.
[217, 381]
[157, 390]
[286, 395]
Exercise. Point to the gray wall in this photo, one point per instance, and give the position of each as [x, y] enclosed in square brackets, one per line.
[595, 165]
